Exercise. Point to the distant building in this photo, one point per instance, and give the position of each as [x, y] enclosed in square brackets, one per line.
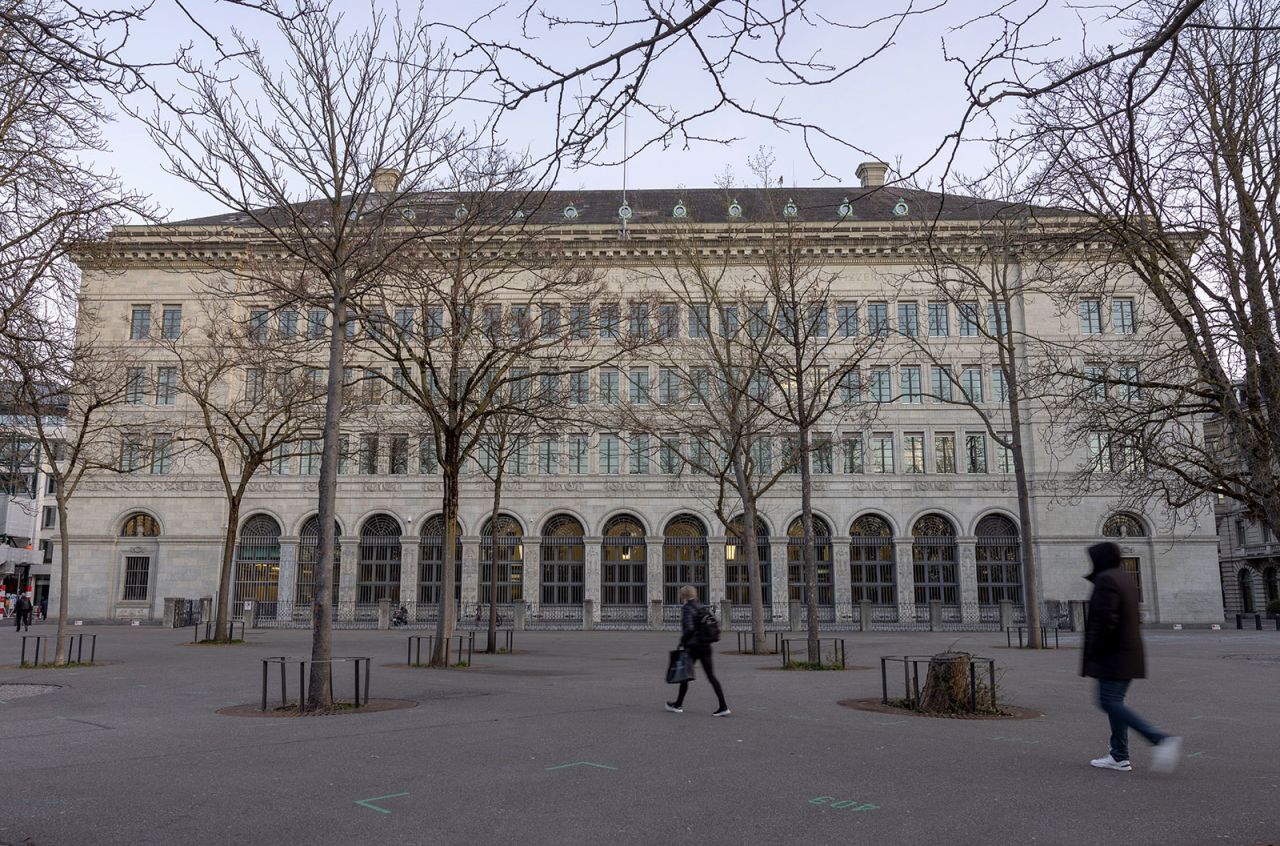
[1249, 559]
[28, 512]
[918, 506]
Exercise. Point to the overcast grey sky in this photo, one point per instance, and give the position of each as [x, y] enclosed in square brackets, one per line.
[898, 106]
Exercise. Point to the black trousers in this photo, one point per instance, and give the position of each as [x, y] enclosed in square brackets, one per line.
[702, 654]
[23, 617]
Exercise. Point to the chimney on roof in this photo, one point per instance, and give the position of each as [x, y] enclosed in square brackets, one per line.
[871, 174]
[386, 180]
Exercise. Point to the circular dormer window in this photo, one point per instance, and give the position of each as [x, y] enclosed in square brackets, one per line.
[624, 211]
[570, 213]
[680, 210]
[460, 212]
[790, 209]
[409, 215]
[845, 209]
[735, 209]
[901, 209]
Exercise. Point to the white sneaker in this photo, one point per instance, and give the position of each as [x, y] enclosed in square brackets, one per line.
[721, 712]
[1109, 763]
[1164, 758]
[674, 708]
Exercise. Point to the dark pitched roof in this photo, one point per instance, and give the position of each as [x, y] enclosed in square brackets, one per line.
[702, 205]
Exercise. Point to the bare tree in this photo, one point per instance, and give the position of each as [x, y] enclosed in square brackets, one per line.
[68, 391]
[315, 159]
[250, 399]
[1181, 199]
[487, 303]
[991, 273]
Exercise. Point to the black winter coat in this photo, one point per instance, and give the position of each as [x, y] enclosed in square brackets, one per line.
[1112, 637]
[688, 631]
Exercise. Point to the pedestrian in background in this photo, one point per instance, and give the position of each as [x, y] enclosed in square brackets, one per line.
[1113, 655]
[22, 612]
[694, 637]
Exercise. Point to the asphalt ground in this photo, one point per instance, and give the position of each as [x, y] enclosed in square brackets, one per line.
[133, 752]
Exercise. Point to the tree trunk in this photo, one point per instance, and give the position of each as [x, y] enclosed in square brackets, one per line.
[946, 685]
[492, 647]
[223, 616]
[321, 623]
[810, 551]
[444, 621]
[751, 548]
[1030, 570]
[64, 572]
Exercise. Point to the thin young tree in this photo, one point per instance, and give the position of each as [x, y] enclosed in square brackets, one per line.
[992, 274]
[490, 300]
[250, 397]
[68, 392]
[313, 151]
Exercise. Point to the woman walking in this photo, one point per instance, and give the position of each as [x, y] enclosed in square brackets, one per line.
[692, 616]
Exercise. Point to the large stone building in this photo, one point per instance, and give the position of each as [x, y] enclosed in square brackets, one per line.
[913, 505]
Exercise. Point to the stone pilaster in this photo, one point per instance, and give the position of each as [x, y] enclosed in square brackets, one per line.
[531, 579]
[966, 556]
[287, 584]
[715, 572]
[409, 572]
[348, 575]
[470, 571]
[653, 570]
[841, 587]
[778, 566]
[906, 579]
[591, 574]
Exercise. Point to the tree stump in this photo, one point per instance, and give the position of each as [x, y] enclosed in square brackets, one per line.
[946, 685]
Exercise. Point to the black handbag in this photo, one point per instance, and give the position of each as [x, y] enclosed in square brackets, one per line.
[680, 667]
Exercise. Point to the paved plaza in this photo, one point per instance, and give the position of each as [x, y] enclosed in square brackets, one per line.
[566, 741]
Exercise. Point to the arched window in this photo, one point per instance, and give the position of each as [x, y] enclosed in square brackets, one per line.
[563, 561]
[999, 558]
[624, 580]
[431, 561]
[795, 561]
[873, 572]
[684, 558]
[1245, 581]
[1123, 526]
[308, 551]
[1127, 526]
[257, 565]
[933, 555]
[503, 544]
[737, 579]
[140, 525]
[1271, 583]
[378, 570]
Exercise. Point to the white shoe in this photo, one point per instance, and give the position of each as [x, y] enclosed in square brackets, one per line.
[1109, 763]
[721, 712]
[1164, 758]
[674, 708]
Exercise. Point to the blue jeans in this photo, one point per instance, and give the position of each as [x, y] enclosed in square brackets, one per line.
[1111, 694]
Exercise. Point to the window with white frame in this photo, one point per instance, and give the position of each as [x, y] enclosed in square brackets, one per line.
[1095, 382]
[669, 460]
[847, 320]
[668, 385]
[1122, 316]
[882, 453]
[1099, 453]
[1090, 317]
[131, 455]
[171, 322]
[1127, 386]
[428, 461]
[909, 376]
[975, 447]
[699, 320]
[259, 324]
[761, 452]
[940, 383]
[550, 318]
[369, 454]
[913, 452]
[579, 387]
[944, 452]
[161, 455]
[309, 451]
[997, 320]
[968, 316]
[851, 446]
[971, 383]
[316, 318]
[909, 319]
[398, 455]
[878, 319]
[609, 454]
[881, 386]
[288, 323]
[728, 321]
[638, 454]
[140, 323]
[823, 455]
[609, 386]
[850, 389]
[166, 385]
[610, 321]
[579, 321]
[549, 455]
[280, 460]
[639, 385]
[1003, 454]
[639, 320]
[999, 385]
[668, 320]
[939, 320]
[135, 385]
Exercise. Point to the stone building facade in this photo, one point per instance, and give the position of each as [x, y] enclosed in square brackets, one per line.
[913, 506]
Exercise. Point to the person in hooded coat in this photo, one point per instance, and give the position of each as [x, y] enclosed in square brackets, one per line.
[1113, 655]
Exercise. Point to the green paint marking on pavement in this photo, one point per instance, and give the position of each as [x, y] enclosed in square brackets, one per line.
[1195, 754]
[581, 764]
[368, 803]
[843, 804]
